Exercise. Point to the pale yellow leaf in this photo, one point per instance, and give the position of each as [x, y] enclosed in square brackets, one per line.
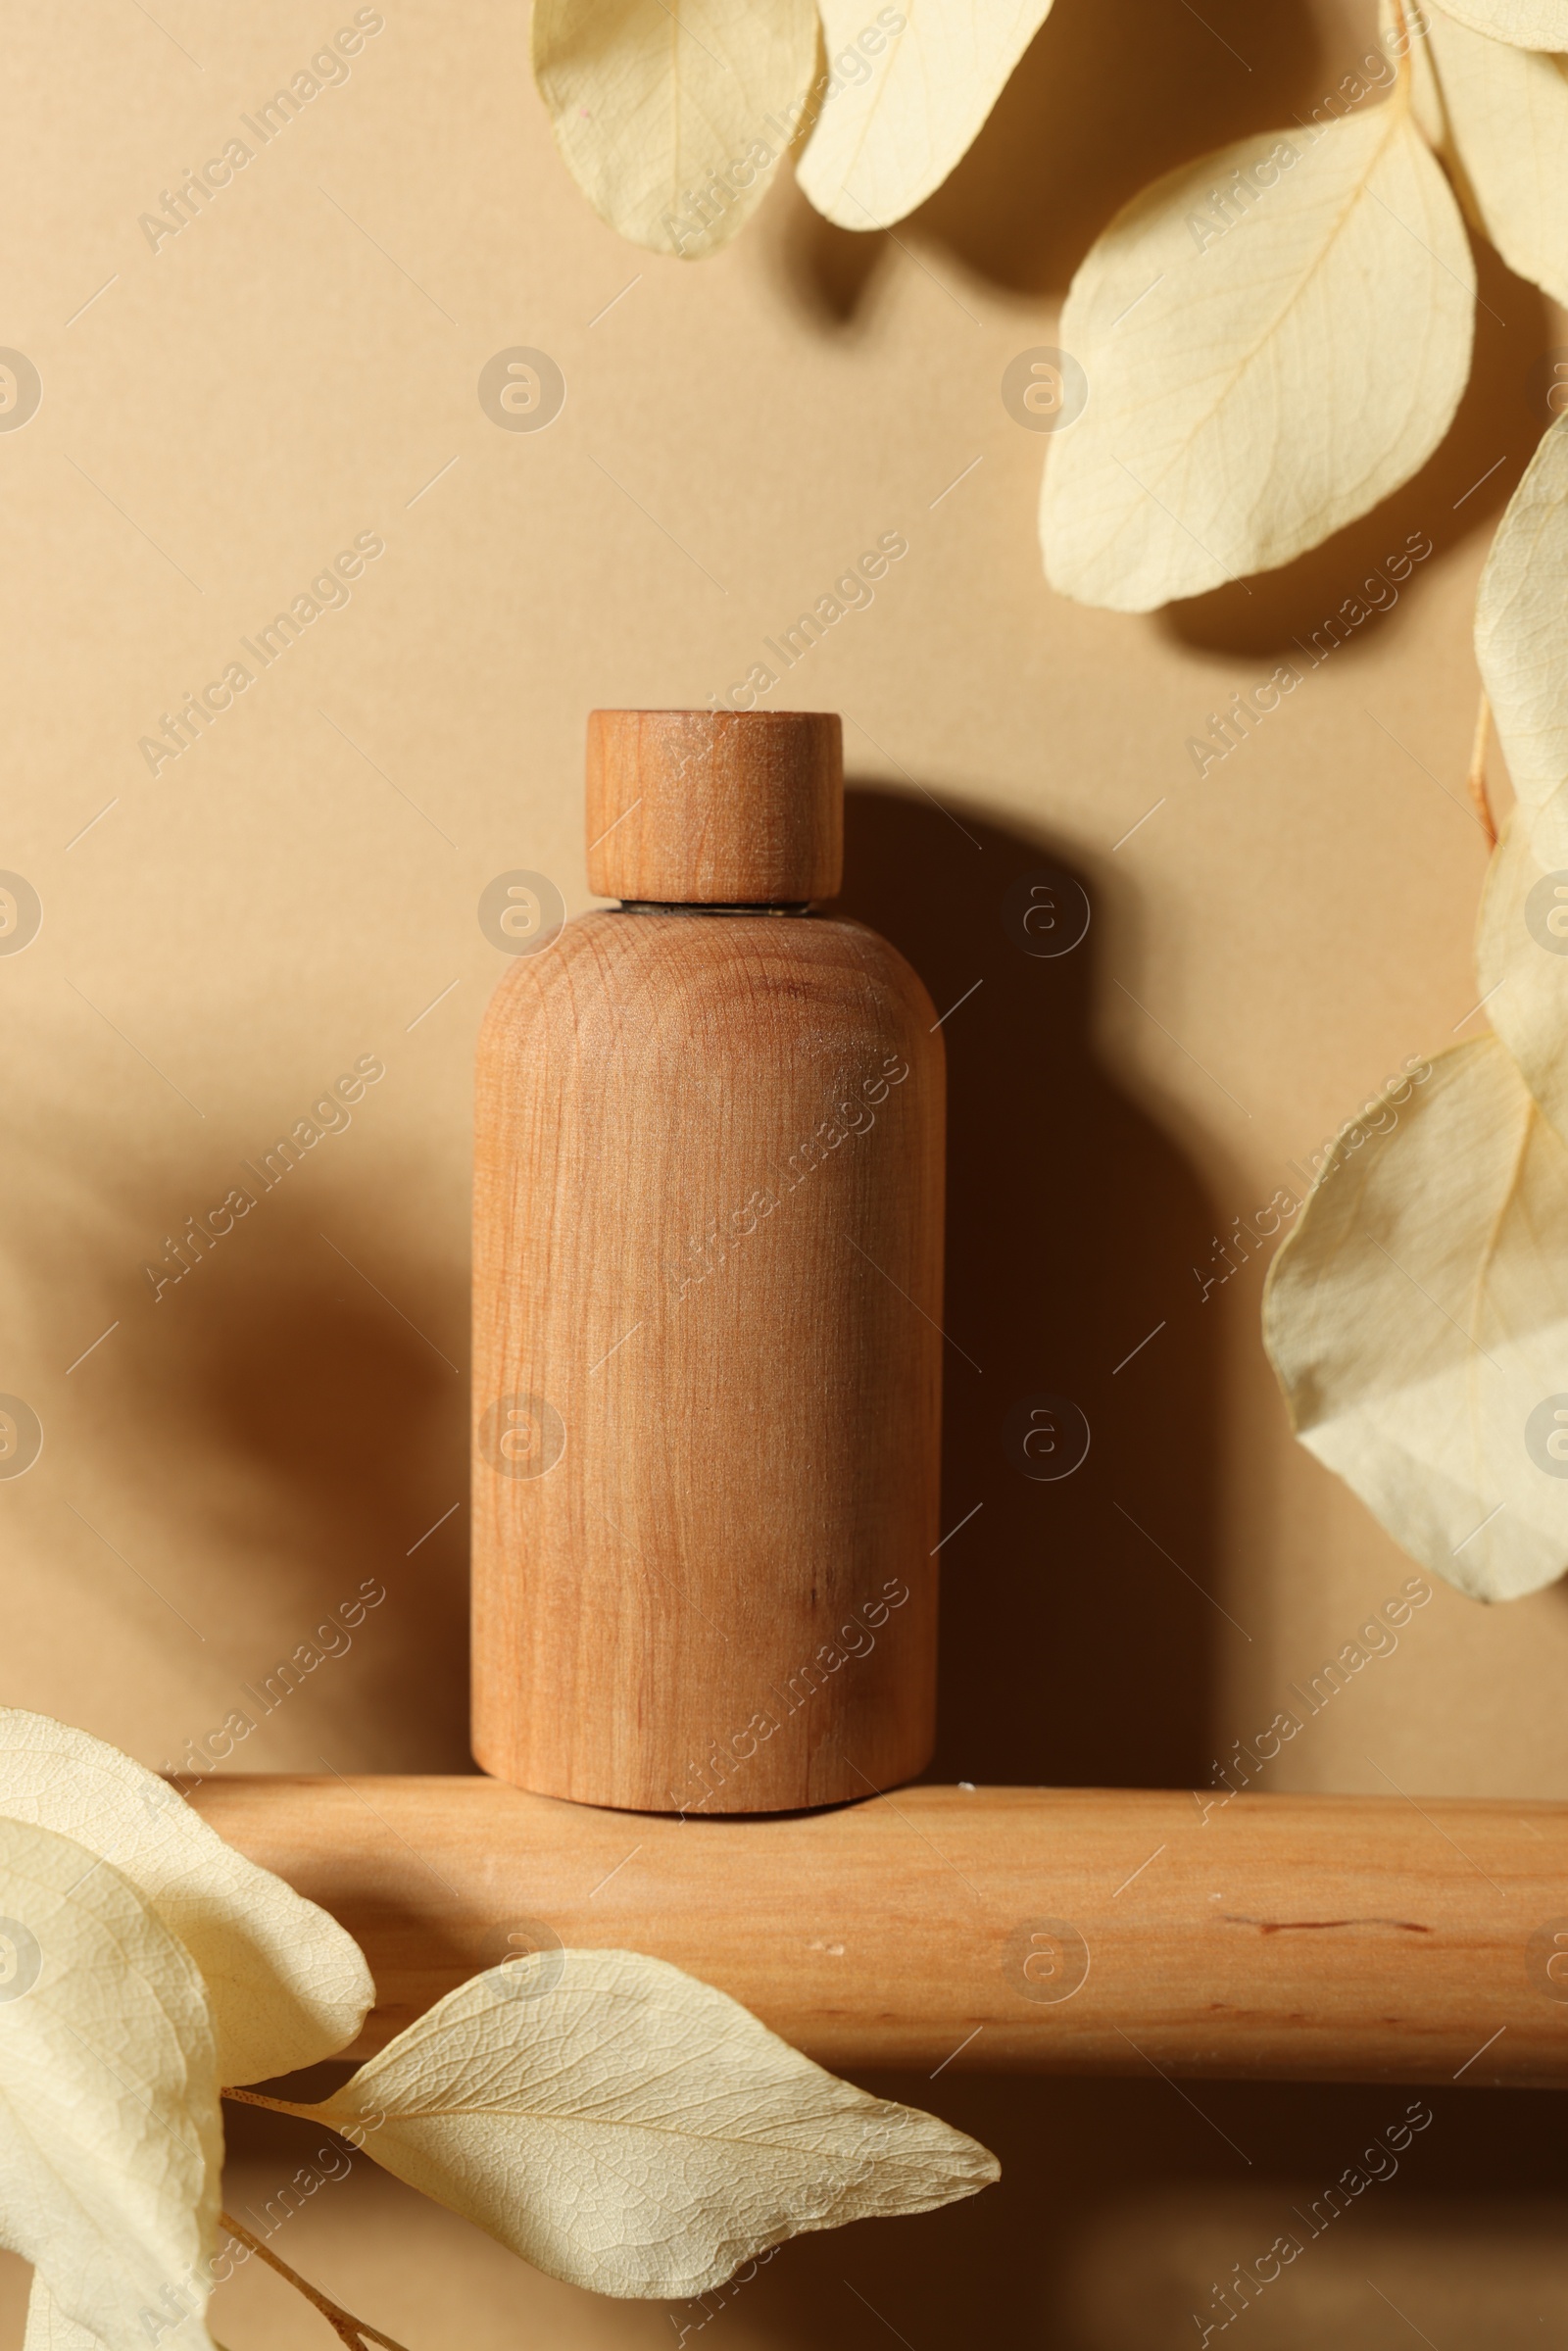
[49, 2329]
[1425, 98]
[288, 1984]
[1506, 117]
[672, 115]
[1522, 644]
[1527, 24]
[631, 2130]
[909, 88]
[1522, 966]
[1417, 1317]
[111, 2145]
[1256, 386]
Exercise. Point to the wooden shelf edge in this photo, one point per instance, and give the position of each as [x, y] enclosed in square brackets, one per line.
[1062, 1930]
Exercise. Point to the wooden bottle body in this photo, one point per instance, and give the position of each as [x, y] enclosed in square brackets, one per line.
[707, 1240]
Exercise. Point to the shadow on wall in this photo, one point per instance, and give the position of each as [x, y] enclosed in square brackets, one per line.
[333, 1374]
[1076, 1647]
[281, 1426]
[1124, 2203]
[1125, 2211]
[287, 1421]
[1103, 102]
[1108, 95]
[1461, 490]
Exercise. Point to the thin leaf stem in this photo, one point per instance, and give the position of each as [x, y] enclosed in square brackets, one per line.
[1477, 777]
[350, 2330]
[1404, 74]
[256, 2098]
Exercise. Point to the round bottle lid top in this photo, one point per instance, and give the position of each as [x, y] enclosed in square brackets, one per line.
[715, 808]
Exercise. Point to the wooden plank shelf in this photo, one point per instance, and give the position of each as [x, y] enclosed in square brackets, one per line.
[1059, 1929]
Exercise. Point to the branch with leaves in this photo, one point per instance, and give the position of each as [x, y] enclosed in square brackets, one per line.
[1418, 1314]
[1274, 339]
[674, 116]
[1251, 392]
[602, 2114]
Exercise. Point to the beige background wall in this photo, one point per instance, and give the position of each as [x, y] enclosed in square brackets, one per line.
[300, 366]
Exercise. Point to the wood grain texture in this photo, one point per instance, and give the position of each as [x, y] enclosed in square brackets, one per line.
[1316, 1937]
[727, 808]
[708, 1276]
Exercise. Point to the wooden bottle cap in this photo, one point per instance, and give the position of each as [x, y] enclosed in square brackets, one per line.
[715, 808]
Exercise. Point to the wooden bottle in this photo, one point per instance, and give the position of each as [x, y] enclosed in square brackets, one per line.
[706, 1284]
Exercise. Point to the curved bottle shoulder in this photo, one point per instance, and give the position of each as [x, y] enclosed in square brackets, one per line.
[610, 967]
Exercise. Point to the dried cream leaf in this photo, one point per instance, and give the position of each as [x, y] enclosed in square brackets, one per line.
[111, 2145]
[1522, 966]
[672, 115]
[1254, 386]
[1425, 98]
[1506, 114]
[635, 2130]
[288, 1984]
[49, 2329]
[901, 108]
[1417, 1317]
[1522, 644]
[1526, 23]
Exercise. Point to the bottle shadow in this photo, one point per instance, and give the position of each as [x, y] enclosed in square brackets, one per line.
[1077, 1634]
